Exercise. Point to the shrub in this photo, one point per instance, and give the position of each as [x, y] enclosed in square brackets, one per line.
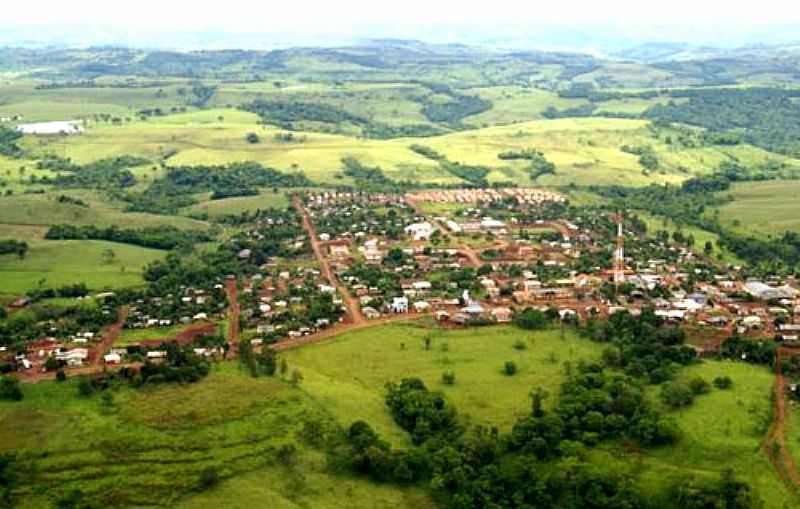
[677, 394]
[520, 345]
[9, 389]
[723, 382]
[699, 386]
[448, 378]
[61, 376]
[209, 478]
[510, 368]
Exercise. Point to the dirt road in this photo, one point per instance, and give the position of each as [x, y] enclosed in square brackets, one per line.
[463, 250]
[110, 335]
[338, 329]
[775, 444]
[233, 315]
[354, 314]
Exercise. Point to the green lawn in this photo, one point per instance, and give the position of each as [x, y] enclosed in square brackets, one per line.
[348, 373]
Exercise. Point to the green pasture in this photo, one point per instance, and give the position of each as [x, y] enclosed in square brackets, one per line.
[54, 263]
[763, 209]
[348, 373]
[723, 429]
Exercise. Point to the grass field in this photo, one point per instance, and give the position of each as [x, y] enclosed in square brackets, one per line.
[45, 209]
[763, 208]
[347, 374]
[655, 224]
[149, 447]
[723, 429]
[585, 150]
[57, 263]
[238, 205]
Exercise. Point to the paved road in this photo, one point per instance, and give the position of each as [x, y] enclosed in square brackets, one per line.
[353, 309]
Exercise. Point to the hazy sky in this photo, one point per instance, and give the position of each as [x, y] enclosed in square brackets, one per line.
[430, 19]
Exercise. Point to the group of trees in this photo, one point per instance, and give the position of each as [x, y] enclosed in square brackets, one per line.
[539, 165]
[113, 173]
[456, 109]
[647, 156]
[765, 117]
[8, 142]
[11, 246]
[157, 237]
[543, 462]
[173, 191]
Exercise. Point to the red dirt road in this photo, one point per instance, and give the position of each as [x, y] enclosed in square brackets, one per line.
[110, 335]
[353, 309]
[779, 456]
[338, 329]
[233, 315]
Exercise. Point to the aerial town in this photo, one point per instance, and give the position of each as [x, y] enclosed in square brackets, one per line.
[463, 257]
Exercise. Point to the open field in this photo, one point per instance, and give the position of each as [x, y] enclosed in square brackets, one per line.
[238, 205]
[347, 374]
[723, 429]
[45, 209]
[585, 150]
[149, 447]
[763, 208]
[655, 224]
[63, 262]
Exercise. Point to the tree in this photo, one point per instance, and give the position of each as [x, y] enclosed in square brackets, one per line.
[448, 378]
[284, 367]
[109, 256]
[723, 382]
[537, 399]
[677, 394]
[209, 477]
[61, 376]
[510, 368]
[268, 361]
[252, 138]
[9, 389]
[297, 377]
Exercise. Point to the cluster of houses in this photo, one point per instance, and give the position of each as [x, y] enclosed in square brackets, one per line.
[276, 302]
[192, 305]
[523, 195]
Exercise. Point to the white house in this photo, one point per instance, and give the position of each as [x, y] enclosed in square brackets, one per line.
[420, 231]
[400, 305]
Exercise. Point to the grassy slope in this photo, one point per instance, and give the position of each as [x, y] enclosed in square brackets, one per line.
[724, 429]
[763, 208]
[151, 445]
[238, 205]
[63, 262]
[701, 236]
[347, 374]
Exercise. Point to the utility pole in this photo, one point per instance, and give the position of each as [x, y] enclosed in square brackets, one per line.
[619, 254]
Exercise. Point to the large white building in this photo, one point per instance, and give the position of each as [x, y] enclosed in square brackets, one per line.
[51, 128]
